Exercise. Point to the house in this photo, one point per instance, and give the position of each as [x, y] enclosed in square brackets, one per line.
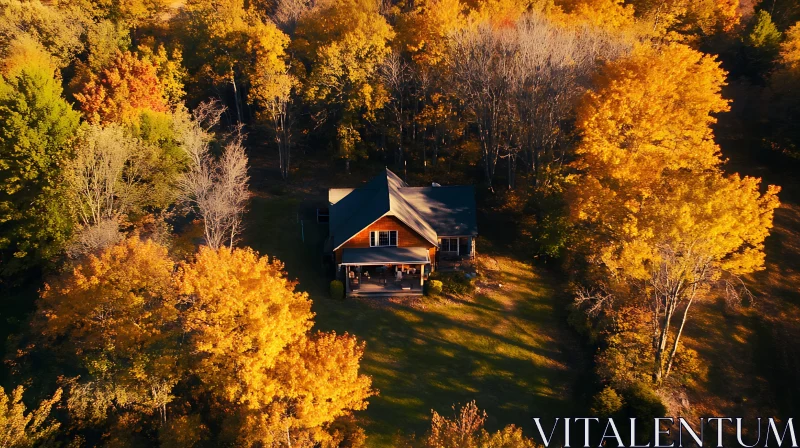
[386, 237]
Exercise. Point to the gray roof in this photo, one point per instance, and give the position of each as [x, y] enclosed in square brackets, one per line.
[385, 255]
[429, 211]
[449, 210]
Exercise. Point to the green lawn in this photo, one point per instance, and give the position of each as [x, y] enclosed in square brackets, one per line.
[508, 348]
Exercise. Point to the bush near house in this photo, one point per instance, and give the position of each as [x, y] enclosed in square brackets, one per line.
[337, 290]
[433, 288]
[454, 282]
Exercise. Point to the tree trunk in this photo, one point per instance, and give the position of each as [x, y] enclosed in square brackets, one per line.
[658, 373]
[236, 97]
[671, 358]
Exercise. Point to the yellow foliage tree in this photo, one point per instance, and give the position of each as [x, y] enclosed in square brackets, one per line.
[654, 212]
[465, 430]
[423, 32]
[249, 330]
[608, 14]
[790, 49]
[272, 85]
[19, 429]
[232, 39]
[686, 19]
[344, 42]
[115, 313]
[650, 112]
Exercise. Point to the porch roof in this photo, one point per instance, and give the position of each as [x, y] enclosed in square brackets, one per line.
[385, 255]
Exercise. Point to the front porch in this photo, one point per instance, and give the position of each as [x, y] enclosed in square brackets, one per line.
[385, 271]
[365, 283]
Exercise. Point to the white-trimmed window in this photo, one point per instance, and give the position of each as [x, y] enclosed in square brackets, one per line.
[449, 245]
[382, 238]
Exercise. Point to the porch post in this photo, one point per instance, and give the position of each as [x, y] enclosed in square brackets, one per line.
[421, 273]
[346, 279]
[472, 241]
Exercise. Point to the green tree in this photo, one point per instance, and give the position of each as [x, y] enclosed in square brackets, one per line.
[762, 42]
[36, 126]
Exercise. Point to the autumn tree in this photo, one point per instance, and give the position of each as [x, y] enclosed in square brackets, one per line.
[423, 32]
[118, 95]
[680, 20]
[275, 383]
[343, 43]
[416, 75]
[782, 99]
[229, 44]
[215, 188]
[609, 14]
[553, 65]
[636, 122]
[114, 317]
[21, 429]
[169, 70]
[273, 88]
[111, 176]
[396, 76]
[104, 174]
[56, 28]
[35, 131]
[465, 430]
[657, 219]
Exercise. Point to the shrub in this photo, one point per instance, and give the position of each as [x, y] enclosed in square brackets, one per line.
[433, 288]
[607, 402]
[644, 404]
[337, 290]
[454, 282]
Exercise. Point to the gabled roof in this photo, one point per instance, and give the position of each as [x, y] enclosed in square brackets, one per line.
[428, 211]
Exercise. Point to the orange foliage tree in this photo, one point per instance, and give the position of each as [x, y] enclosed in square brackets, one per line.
[122, 91]
[114, 314]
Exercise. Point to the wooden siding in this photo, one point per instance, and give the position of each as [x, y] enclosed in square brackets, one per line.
[406, 237]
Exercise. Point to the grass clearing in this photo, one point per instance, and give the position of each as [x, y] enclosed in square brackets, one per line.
[508, 348]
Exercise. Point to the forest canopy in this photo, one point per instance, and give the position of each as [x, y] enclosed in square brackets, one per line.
[591, 126]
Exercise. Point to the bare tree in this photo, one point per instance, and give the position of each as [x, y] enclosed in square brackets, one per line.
[105, 180]
[555, 65]
[519, 86]
[104, 176]
[482, 69]
[214, 188]
[396, 75]
[289, 12]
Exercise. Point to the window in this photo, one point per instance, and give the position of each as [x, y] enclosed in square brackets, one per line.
[449, 245]
[382, 238]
